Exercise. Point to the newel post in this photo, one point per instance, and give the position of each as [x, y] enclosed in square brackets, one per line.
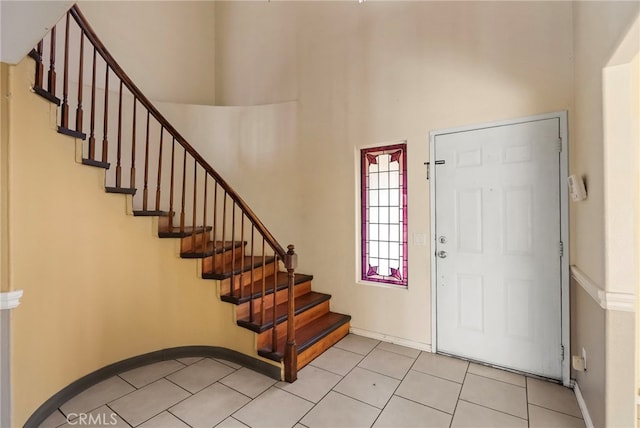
[291, 350]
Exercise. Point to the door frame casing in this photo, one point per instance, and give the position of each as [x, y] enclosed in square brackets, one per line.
[564, 226]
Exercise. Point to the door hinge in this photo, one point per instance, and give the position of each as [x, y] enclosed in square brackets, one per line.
[562, 352]
[561, 249]
[559, 142]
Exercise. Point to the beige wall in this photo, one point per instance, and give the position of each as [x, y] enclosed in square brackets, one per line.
[4, 177]
[607, 386]
[376, 73]
[637, 290]
[99, 286]
[5, 387]
[587, 313]
[254, 149]
[598, 29]
[167, 48]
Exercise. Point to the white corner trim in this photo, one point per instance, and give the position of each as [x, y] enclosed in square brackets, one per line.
[589, 286]
[583, 406]
[391, 339]
[10, 299]
[625, 302]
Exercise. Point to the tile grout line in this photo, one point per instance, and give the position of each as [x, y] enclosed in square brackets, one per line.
[358, 400]
[240, 392]
[185, 389]
[440, 377]
[495, 410]
[127, 382]
[526, 395]
[341, 379]
[251, 400]
[182, 420]
[393, 394]
[184, 366]
[337, 383]
[120, 416]
[163, 410]
[498, 380]
[150, 383]
[459, 394]
[555, 411]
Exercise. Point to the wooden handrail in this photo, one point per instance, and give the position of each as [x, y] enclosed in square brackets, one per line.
[135, 91]
[202, 240]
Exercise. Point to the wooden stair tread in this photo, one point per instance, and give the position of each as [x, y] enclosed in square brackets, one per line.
[175, 232]
[309, 334]
[96, 163]
[212, 248]
[124, 190]
[72, 133]
[302, 303]
[282, 282]
[150, 213]
[47, 95]
[229, 269]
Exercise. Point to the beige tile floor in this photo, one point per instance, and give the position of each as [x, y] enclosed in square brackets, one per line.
[359, 382]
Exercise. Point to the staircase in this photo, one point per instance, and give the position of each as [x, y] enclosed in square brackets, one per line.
[193, 203]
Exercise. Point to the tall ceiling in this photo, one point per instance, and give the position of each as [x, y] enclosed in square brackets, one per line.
[24, 23]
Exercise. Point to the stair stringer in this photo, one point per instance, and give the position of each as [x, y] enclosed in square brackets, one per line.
[99, 285]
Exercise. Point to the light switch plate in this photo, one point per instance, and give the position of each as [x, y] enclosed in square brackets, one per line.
[420, 239]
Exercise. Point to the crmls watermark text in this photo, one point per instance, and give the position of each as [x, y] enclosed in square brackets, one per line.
[84, 419]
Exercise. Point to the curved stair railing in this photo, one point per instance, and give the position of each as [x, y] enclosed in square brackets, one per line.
[217, 220]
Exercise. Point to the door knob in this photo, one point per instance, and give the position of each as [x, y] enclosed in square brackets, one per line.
[442, 254]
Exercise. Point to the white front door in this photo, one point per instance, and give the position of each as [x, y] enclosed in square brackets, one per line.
[498, 259]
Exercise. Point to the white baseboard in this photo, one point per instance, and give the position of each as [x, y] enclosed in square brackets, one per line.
[583, 406]
[391, 339]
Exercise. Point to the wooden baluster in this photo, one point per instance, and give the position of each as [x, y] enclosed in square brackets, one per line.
[252, 277]
[195, 203]
[274, 332]
[159, 169]
[291, 349]
[224, 231]
[105, 140]
[233, 240]
[215, 220]
[92, 137]
[263, 308]
[173, 152]
[80, 85]
[145, 192]
[64, 112]
[119, 151]
[242, 259]
[204, 218]
[39, 66]
[184, 188]
[132, 176]
[51, 77]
